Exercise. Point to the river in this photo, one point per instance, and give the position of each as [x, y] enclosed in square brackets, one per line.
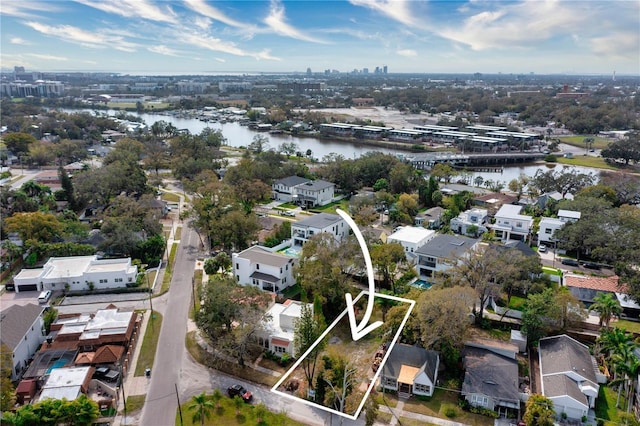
[241, 136]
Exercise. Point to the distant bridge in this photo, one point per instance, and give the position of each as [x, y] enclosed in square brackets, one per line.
[426, 161]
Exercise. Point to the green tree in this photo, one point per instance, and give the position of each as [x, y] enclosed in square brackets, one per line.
[37, 226]
[201, 405]
[539, 411]
[308, 328]
[607, 307]
[214, 264]
[386, 258]
[7, 390]
[18, 143]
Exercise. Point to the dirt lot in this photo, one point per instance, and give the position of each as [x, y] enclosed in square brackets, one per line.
[392, 118]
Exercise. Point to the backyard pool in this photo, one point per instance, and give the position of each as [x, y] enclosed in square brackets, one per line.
[422, 284]
[57, 364]
[289, 251]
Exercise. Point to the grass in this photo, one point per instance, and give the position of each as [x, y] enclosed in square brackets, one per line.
[587, 161]
[166, 279]
[287, 206]
[384, 418]
[598, 142]
[231, 368]
[226, 413]
[292, 292]
[386, 399]
[178, 233]
[197, 279]
[606, 406]
[149, 344]
[517, 303]
[630, 326]
[170, 197]
[134, 403]
[440, 400]
[148, 107]
[331, 207]
[551, 271]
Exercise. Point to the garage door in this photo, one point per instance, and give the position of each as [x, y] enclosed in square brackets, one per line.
[28, 287]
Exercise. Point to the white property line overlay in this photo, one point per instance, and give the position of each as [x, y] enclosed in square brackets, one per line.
[375, 376]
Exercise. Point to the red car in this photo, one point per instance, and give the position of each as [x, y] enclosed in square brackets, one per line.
[239, 390]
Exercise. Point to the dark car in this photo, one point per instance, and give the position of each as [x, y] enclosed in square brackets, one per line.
[107, 374]
[568, 261]
[239, 390]
[591, 265]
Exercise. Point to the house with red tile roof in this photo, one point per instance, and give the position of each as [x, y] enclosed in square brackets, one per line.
[585, 288]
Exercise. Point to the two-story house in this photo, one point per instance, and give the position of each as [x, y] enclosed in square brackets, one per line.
[23, 333]
[411, 238]
[261, 268]
[302, 191]
[410, 370]
[568, 375]
[511, 225]
[470, 222]
[77, 273]
[442, 252]
[306, 228]
[430, 219]
[278, 331]
[549, 225]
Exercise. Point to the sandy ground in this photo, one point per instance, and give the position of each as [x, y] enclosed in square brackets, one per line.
[390, 117]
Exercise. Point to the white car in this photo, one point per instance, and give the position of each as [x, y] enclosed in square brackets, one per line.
[542, 248]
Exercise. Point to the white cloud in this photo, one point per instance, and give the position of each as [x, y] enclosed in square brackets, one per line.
[163, 50]
[133, 8]
[209, 11]
[48, 57]
[398, 10]
[83, 37]
[276, 21]
[18, 40]
[25, 8]
[218, 45]
[620, 44]
[202, 22]
[409, 53]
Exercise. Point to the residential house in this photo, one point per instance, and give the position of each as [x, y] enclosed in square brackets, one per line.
[493, 201]
[511, 225]
[332, 224]
[304, 192]
[411, 238]
[261, 268]
[23, 333]
[410, 370]
[491, 376]
[568, 375]
[442, 252]
[68, 383]
[470, 222]
[430, 219]
[549, 225]
[586, 287]
[551, 198]
[77, 273]
[278, 332]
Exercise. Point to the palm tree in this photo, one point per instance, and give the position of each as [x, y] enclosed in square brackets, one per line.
[607, 307]
[202, 406]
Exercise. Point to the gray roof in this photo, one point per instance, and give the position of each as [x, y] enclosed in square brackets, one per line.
[561, 385]
[260, 255]
[320, 220]
[490, 374]
[520, 246]
[16, 321]
[561, 354]
[432, 212]
[412, 356]
[316, 185]
[264, 277]
[291, 181]
[447, 246]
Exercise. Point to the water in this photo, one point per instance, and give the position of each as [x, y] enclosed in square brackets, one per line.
[289, 251]
[422, 284]
[241, 136]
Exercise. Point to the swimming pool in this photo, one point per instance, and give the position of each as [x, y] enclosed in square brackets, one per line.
[422, 284]
[291, 252]
[57, 364]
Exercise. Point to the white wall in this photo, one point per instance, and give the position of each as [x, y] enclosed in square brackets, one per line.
[28, 347]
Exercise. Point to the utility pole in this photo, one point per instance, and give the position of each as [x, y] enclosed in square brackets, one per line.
[179, 407]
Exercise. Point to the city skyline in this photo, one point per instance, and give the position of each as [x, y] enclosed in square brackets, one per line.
[200, 37]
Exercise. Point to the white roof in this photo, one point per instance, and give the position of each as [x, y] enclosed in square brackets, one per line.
[63, 267]
[273, 326]
[569, 213]
[512, 211]
[65, 383]
[411, 234]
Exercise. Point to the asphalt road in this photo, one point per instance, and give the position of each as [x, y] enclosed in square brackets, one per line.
[161, 402]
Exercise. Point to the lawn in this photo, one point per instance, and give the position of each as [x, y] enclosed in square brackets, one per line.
[586, 161]
[606, 406]
[441, 400]
[226, 413]
[170, 197]
[598, 142]
[331, 207]
[149, 344]
[517, 303]
[631, 326]
[168, 272]
[178, 234]
[291, 292]
[134, 403]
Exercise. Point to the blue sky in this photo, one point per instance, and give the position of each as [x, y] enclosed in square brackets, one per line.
[200, 36]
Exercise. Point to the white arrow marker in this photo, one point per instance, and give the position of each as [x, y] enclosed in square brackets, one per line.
[358, 331]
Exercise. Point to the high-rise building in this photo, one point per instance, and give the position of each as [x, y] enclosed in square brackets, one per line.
[384, 69]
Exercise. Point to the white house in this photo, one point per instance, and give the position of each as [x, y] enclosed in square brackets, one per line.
[302, 191]
[511, 225]
[442, 252]
[410, 370]
[79, 273]
[468, 219]
[277, 334]
[304, 229]
[549, 225]
[411, 238]
[67, 382]
[23, 332]
[261, 268]
[568, 375]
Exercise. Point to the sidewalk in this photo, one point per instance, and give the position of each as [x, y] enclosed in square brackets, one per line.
[398, 412]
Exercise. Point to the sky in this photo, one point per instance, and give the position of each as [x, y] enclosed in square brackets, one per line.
[164, 37]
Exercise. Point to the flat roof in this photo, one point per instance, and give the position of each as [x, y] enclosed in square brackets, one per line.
[411, 234]
[260, 255]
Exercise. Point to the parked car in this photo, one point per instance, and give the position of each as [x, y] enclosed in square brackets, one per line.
[542, 248]
[288, 213]
[239, 390]
[591, 265]
[569, 261]
[105, 373]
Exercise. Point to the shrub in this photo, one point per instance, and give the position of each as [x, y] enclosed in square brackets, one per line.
[450, 411]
